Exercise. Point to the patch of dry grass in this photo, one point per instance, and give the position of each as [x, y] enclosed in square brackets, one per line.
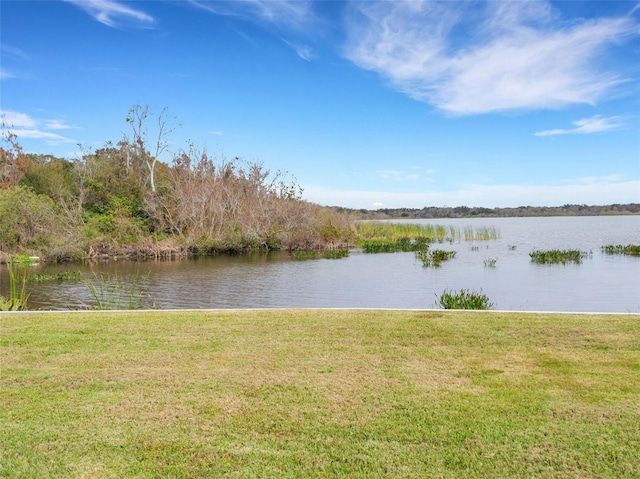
[301, 393]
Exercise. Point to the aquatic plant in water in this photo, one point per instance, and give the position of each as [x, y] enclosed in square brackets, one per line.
[111, 292]
[490, 262]
[630, 249]
[18, 294]
[558, 256]
[327, 254]
[464, 299]
[382, 237]
[65, 276]
[435, 257]
[482, 233]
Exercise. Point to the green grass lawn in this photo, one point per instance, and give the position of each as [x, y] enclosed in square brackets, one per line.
[300, 393]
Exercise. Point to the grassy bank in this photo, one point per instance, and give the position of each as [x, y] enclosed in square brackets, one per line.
[319, 394]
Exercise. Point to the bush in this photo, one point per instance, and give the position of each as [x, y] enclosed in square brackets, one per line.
[464, 299]
[27, 220]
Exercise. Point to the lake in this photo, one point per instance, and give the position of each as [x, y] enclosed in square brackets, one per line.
[600, 283]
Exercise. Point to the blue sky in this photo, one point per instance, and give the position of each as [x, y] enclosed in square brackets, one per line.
[367, 104]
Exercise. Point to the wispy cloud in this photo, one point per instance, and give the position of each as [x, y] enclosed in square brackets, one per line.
[415, 173]
[605, 190]
[25, 126]
[595, 124]
[290, 17]
[15, 119]
[513, 55]
[6, 74]
[113, 13]
[284, 13]
[14, 52]
[303, 51]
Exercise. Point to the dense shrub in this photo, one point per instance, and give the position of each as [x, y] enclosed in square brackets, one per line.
[28, 221]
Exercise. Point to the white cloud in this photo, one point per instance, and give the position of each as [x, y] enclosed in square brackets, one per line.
[591, 191]
[25, 126]
[57, 125]
[517, 55]
[6, 74]
[595, 124]
[284, 13]
[41, 135]
[12, 119]
[415, 173]
[287, 15]
[113, 13]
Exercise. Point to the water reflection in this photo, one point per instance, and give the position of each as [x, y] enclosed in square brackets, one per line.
[396, 280]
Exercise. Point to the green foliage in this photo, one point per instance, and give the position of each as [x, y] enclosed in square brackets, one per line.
[630, 249]
[464, 299]
[490, 262]
[28, 221]
[558, 256]
[52, 177]
[23, 259]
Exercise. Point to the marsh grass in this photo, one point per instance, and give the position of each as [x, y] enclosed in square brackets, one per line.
[482, 233]
[111, 292]
[319, 394]
[385, 245]
[377, 229]
[64, 276]
[464, 299]
[630, 249]
[18, 294]
[382, 237]
[558, 256]
[326, 254]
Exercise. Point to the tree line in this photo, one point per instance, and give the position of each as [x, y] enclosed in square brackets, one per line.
[123, 200]
[429, 212]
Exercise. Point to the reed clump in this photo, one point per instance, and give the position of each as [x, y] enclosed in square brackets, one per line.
[435, 257]
[18, 293]
[482, 233]
[464, 299]
[112, 292]
[630, 249]
[381, 237]
[556, 256]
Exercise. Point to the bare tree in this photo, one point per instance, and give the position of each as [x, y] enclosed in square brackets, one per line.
[138, 117]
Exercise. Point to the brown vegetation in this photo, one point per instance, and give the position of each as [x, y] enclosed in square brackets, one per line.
[122, 200]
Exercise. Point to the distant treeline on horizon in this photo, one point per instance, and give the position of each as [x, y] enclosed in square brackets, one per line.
[480, 212]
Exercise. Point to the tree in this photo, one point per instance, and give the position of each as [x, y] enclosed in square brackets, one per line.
[12, 159]
[138, 117]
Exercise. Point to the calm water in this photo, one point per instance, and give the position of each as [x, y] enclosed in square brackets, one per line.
[607, 283]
